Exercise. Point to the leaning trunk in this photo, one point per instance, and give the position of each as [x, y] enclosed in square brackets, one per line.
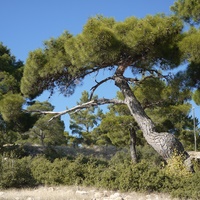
[164, 143]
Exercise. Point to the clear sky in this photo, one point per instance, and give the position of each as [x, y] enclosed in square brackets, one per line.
[26, 24]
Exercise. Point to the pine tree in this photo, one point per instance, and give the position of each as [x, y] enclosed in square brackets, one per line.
[145, 46]
[13, 122]
[83, 122]
[44, 132]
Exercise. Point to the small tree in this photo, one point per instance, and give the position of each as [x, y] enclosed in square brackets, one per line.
[82, 122]
[44, 132]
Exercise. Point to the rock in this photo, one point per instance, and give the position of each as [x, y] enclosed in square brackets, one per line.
[51, 189]
[152, 196]
[105, 193]
[116, 196]
[30, 198]
[129, 197]
[98, 195]
[1, 193]
[81, 192]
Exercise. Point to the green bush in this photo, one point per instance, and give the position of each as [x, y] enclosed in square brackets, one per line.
[107, 179]
[175, 166]
[187, 187]
[49, 173]
[152, 179]
[57, 171]
[142, 176]
[76, 172]
[95, 167]
[51, 153]
[40, 168]
[117, 174]
[16, 173]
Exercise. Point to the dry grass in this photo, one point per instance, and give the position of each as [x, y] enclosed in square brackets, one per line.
[42, 193]
[75, 193]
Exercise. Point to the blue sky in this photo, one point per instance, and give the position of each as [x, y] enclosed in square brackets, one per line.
[26, 24]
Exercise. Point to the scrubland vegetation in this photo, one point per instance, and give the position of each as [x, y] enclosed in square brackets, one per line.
[150, 174]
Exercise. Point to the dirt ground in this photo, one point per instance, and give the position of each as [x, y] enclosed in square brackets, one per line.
[76, 193]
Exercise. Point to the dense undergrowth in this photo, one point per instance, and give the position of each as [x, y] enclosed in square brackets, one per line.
[118, 173]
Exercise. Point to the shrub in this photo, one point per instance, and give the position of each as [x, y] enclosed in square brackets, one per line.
[175, 166]
[16, 173]
[58, 171]
[153, 180]
[184, 184]
[187, 187]
[51, 153]
[76, 171]
[40, 168]
[95, 167]
[142, 176]
[107, 179]
[117, 174]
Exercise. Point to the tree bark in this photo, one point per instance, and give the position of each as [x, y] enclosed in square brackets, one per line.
[133, 145]
[164, 143]
[42, 137]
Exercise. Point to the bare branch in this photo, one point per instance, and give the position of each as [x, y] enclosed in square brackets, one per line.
[98, 84]
[95, 102]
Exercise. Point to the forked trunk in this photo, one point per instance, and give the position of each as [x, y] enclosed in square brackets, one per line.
[164, 143]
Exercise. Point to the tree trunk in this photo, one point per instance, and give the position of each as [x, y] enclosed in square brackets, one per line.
[164, 143]
[42, 137]
[133, 145]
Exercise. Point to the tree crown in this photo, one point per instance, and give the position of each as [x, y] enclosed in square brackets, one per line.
[141, 44]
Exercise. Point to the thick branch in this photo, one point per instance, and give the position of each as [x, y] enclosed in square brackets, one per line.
[95, 102]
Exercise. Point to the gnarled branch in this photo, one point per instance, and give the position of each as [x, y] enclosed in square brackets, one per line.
[88, 104]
